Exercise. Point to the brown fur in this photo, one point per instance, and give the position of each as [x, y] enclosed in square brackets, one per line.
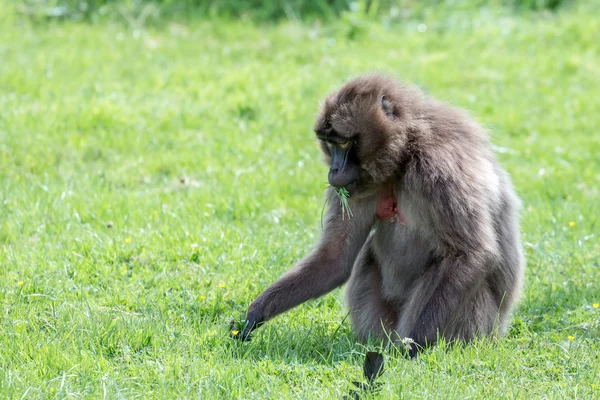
[454, 266]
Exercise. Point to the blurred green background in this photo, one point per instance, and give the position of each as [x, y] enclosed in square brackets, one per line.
[265, 10]
[158, 171]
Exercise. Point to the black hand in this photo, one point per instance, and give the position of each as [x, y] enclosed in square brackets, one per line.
[413, 351]
[251, 322]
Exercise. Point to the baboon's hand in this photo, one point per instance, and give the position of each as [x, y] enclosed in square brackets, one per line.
[241, 329]
[408, 348]
[412, 352]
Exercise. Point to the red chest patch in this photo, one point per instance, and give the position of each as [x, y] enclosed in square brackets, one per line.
[388, 209]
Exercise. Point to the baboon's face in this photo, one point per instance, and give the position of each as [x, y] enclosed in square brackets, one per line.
[352, 129]
[344, 164]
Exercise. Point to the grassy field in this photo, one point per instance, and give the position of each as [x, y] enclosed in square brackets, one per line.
[155, 178]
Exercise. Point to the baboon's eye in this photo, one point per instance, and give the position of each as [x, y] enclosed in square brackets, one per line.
[344, 145]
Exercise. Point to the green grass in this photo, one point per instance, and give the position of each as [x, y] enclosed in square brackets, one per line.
[343, 195]
[155, 180]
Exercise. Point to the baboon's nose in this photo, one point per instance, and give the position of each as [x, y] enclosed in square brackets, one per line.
[339, 179]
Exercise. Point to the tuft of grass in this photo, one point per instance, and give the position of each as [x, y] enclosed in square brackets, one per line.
[344, 195]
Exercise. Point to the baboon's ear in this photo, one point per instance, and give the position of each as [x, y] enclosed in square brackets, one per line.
[387, 106]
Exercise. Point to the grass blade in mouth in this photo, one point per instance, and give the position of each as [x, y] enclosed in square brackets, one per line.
[344, 195]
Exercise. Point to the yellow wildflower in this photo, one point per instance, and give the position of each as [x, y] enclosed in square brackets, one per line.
[202, 297]
[595, 305]
[222, 285]
[20, 283]
[235, 333]
[571, 337]
[572, 223]
[127, 240]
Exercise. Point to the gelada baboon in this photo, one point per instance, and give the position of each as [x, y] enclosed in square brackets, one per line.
[432, 247]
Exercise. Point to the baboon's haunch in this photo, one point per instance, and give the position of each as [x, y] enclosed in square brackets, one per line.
[433, 245]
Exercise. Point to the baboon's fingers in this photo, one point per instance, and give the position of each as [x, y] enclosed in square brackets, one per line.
[243, 329]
